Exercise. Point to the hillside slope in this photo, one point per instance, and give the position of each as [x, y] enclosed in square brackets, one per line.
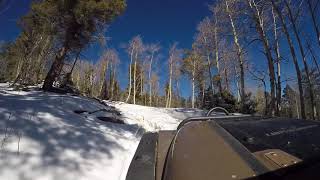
[42, 138]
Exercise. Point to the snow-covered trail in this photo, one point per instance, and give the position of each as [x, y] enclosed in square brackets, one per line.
[152, 118]
[41, 138]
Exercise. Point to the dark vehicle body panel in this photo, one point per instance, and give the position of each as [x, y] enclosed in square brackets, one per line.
[237, 147]
[300, 138]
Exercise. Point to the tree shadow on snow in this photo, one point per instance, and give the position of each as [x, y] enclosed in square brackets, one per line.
[62, 134]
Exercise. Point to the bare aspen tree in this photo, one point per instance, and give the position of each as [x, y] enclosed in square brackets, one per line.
[278, 59]
[142, 66]
[131, 50]
[193, 82]
[174, 57]
[236, 80]
[111, 88]
[191, 67]
[216, 46]
[204, 40]
[138, 52]
[139, 79]
[155, 88]
[114, 61]
[153, 49]
[103, 71]
[113, 82]
[239, 52]
[256, 14]
[135, 76]
[294, 57]
[306, 67]
[134, 49]
[171, 56]
[227, 64]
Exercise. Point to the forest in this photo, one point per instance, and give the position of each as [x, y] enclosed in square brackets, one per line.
[55, 33]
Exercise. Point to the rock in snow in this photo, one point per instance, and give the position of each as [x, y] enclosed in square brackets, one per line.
[42, 138]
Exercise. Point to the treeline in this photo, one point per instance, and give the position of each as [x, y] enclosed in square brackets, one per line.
[219, 64]
[53, 35]
[277, 28]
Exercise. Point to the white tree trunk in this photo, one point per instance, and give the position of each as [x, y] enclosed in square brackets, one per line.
[209, 68]
[134, 79]
[130, 74]
[236, 42]
[217, 53]
[193, 83]
[103, 78]
[150, 82]
[169, 98]
[277, 50]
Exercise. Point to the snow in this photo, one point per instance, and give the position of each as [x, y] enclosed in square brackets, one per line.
[154, 119]
[42, 138]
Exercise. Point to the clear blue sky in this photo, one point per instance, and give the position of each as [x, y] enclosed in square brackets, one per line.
[162, 21]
